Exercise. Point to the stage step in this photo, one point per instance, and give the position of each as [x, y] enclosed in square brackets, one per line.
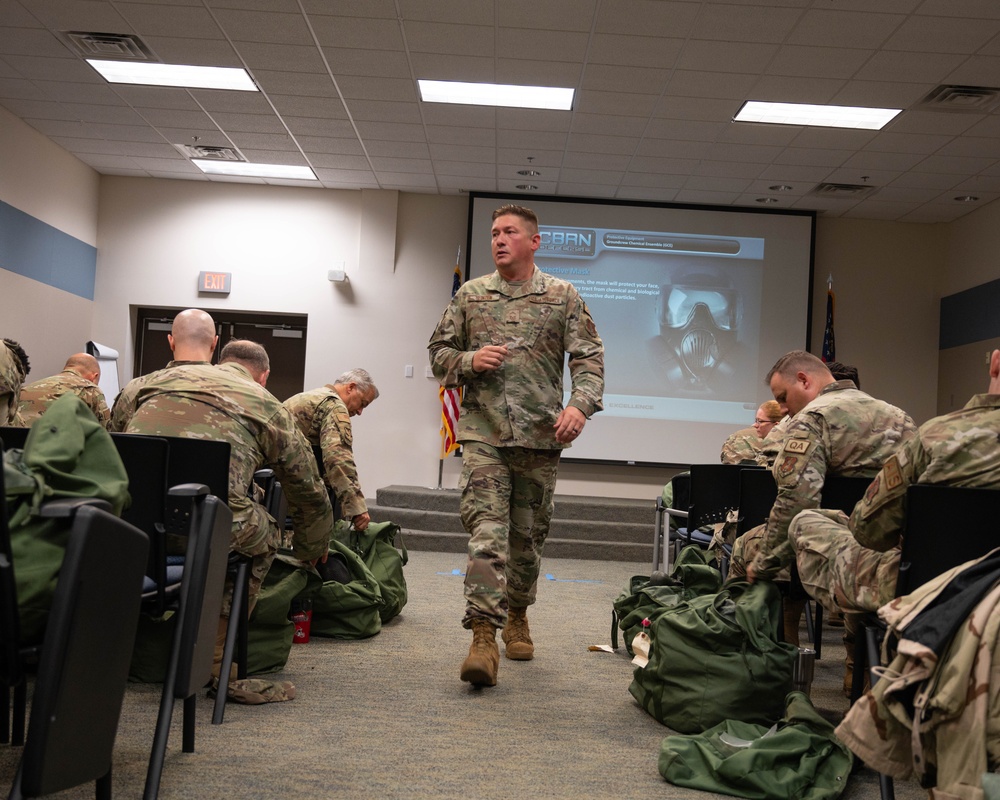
[613, 529]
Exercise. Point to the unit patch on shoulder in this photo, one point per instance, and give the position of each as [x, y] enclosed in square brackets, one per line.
[787, 466]
[893, 474]
[800, 446]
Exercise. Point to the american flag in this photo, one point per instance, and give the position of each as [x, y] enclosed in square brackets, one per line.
[829, 342]
[451, 399]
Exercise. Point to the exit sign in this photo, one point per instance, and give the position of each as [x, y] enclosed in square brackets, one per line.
[217, 282]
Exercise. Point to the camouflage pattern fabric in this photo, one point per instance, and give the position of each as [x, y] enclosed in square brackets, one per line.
[935, 710]
[742, 447]
[124, 404]
[325, 421]
[224, 403]
[38, 396]
[855, 563]
[843, 431]
[506, 506]
[770, 448]
[539, 321]
[11, 380]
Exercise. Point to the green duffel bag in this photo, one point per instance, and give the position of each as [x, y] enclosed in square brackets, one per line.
[799, 758]
[693, 574]
[377, 547]
[269, 634]
[346, 609]
[717, 657]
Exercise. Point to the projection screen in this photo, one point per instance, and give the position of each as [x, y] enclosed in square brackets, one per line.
[694, 305]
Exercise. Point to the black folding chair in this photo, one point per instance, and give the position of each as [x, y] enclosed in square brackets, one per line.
[945, 526]
[207, 522]
[85, 655]
[714, 492]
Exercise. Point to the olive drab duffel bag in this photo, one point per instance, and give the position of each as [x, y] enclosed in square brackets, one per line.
[376, 545]
[694, 573]
[798, 758]
[717, 657]
[68, 455]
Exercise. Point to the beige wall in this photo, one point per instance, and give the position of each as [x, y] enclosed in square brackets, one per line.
[43, 180]
[154, 236]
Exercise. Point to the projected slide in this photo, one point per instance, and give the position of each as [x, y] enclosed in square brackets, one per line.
[694, 305]
[674, 308]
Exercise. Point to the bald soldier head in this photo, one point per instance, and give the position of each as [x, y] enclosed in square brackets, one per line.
[84, 365]
[192, 336]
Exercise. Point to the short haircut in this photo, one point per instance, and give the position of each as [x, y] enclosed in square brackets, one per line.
[21, 357]
[844, 372]
[84, 362]
[793, 362]
[772, 410]
[362, 378]
[250, 354]
[518, 211]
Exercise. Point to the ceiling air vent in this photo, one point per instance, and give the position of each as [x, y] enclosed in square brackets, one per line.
[115, 46]
[210, 152]
[844, 190]
[962, 99]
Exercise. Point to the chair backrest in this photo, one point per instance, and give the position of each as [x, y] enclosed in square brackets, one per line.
[843, 492]
[13, 438]
[945, 526]
[83, 668]
[201, 587]
[715, 490]
[199, 461]
[757, 494]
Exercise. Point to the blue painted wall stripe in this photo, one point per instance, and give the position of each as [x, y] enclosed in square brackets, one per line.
[38, 251]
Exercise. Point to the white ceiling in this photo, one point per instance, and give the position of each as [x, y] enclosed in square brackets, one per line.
[658, 82]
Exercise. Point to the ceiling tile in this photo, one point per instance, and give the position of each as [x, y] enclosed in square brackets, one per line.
[942, 35]
[833, 28]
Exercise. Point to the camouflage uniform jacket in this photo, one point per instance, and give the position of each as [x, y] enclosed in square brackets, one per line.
[539, 321]
[325, 422]
[843, 431]
[771, 445]
[935, 710]
[124, 404]
[11, 379]
[957, 449]
[742, 447]
[224, 403]
[38, 396]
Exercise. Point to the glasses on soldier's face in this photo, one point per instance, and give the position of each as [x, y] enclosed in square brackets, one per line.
[757, 422]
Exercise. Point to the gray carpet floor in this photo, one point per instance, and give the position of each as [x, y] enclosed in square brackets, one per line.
[387, 717]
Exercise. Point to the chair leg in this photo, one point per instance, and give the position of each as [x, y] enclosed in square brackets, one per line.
[860, 665]
[236, 611]
[102, 789]
[156, 758]
[818, 627]
[5, 719]
[190, 704]
[20, 713]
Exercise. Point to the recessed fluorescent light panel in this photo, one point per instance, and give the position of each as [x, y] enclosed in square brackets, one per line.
[150, 74]
[824, 116]
[247, 170]
[496, 94]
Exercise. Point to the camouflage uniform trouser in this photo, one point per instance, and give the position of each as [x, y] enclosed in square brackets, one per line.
[507, 501]
[745, 549]
[836, 569]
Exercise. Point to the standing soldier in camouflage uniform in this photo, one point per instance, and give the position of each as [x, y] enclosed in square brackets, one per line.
[504, 338]
[79, 376]
[853, 564]
[192, 340]
[324, 417]
[226, 402]
[14, 368]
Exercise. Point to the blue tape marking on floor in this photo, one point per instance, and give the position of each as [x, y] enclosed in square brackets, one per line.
[550, 577]
[453, 572]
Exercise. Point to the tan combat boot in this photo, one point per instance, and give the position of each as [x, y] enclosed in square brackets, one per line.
[516, 636]
[480, 666]
[792, 615]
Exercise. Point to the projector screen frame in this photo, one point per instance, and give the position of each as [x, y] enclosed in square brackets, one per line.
[531, 201]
